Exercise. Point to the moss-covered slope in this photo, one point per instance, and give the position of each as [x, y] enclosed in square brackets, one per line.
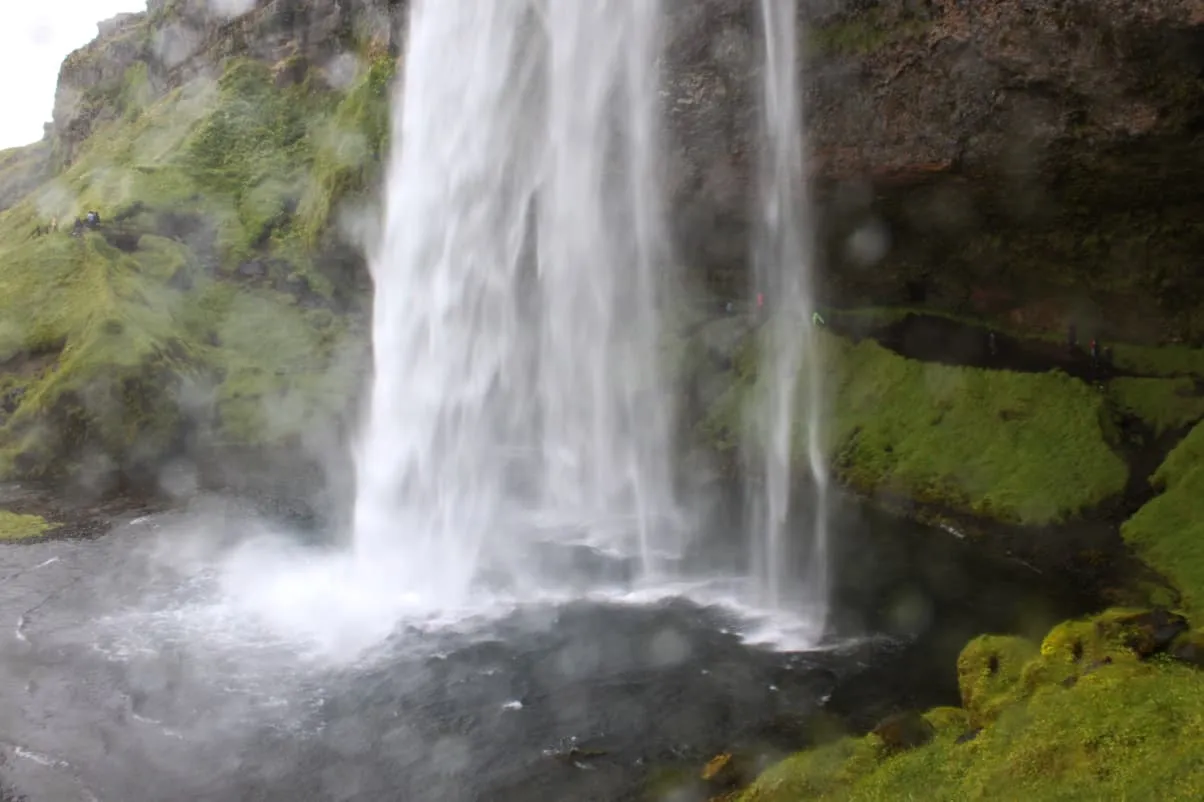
[1032, 448]
[205, 300]
[1168, 531]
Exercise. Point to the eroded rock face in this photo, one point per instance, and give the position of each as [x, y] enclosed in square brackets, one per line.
[179, 40]
[1035, 159]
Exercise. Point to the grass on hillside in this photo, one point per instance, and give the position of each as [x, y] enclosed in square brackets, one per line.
[14, 526]
[113, 349]
[1168, 531]
[1057, 723]
[865, 32]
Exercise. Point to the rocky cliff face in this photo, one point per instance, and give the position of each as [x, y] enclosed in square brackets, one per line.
[1034, 160]
[180, 40]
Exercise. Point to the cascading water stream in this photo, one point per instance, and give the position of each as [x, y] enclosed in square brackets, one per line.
[517, 393]
[788, 416]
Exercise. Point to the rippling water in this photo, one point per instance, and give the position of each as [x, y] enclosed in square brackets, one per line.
[131, 672]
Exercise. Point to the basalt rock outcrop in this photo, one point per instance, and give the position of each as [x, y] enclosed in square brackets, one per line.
[1032, 160]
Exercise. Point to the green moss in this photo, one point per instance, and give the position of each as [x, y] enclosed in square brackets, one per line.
[946, 720]
[1090, 730]
[14, 526]
[1168, 531]
[252, 160]
[1175, 360]
[1163, 404]
[284, 370]
[351, 146]
[865, 32]
[1026, 447]
[989, 671]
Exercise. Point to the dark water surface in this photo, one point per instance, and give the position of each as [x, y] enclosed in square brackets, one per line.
[575, 701]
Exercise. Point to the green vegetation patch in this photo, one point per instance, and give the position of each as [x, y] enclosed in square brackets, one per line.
[1162, 404]
[1085, 720]
[14, 526]
[1168, 531]
[1167, 360]
[865, 32]
[1024, 447]
[118, 341]
[989, 670]
[351, 146]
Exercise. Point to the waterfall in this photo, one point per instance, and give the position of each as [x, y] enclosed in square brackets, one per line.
[516, 393]
[789, 558]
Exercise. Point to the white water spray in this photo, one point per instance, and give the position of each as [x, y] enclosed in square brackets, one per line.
[787, 419]
[517, 392]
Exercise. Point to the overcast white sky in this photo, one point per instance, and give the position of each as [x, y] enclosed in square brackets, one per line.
[35, 37]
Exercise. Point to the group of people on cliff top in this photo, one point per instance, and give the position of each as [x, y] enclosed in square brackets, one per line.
[90, 221]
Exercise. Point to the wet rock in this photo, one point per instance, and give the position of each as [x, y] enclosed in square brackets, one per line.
[1189, 648]
[574, 754]
[290, 72]
[7, 794]
[730, 770]
[181, 279]
[253, 269]
[1151, 633]
[904, 731]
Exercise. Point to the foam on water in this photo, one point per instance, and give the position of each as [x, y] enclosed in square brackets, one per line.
[266, 607]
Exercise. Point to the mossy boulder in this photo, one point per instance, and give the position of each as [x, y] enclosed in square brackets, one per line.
[1024, 447]
[1123, 729]
[989, 674]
